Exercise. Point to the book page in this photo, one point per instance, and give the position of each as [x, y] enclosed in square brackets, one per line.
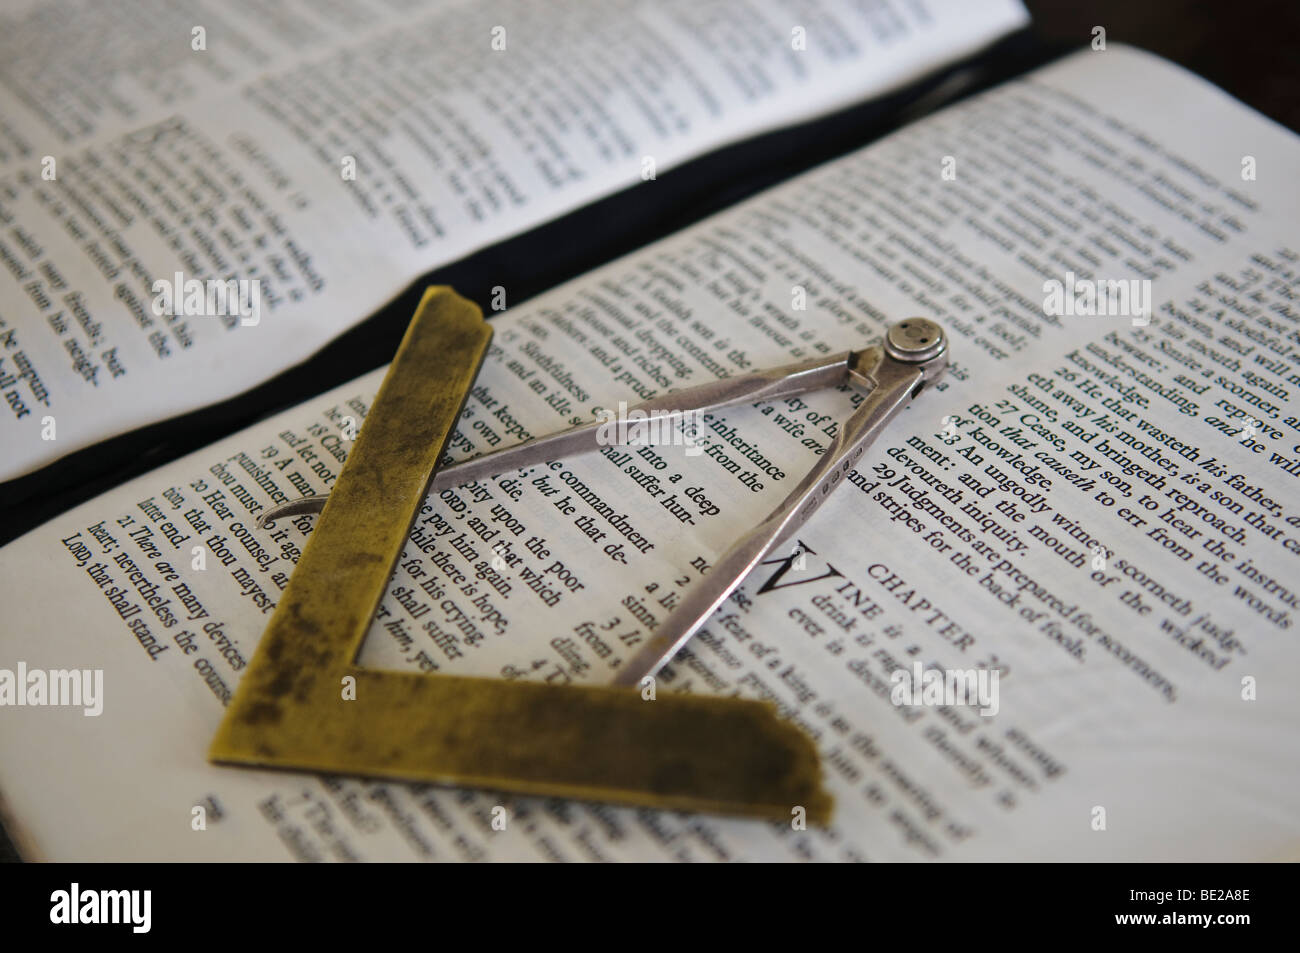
[1098, 507]
[186, 213]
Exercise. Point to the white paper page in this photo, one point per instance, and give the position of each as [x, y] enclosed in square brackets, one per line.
[315, 172]
[1104, 704]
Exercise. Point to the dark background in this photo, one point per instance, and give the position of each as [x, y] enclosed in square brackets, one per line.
[1247, 47]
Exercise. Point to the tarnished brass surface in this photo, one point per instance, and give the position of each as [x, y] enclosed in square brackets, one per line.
[686, 752]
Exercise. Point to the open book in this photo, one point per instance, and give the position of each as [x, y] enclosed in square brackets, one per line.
[1099, 506]
[180, 221]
